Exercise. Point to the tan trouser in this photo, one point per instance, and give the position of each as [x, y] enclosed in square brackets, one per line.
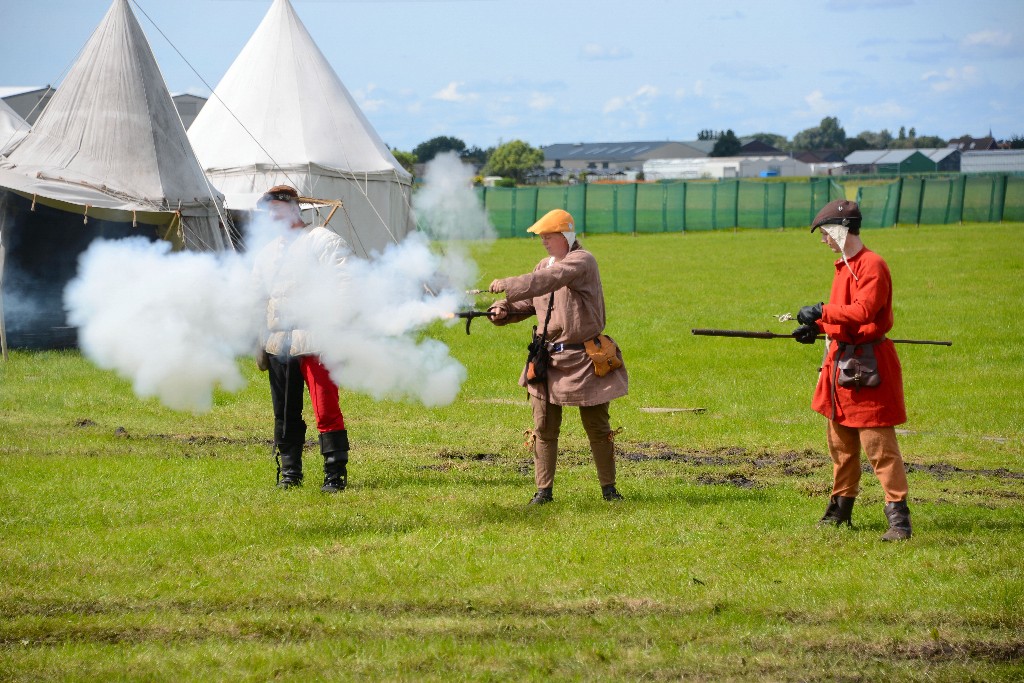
[879, 443]
[547, 423]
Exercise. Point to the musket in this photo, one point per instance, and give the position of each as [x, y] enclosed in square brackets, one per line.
[469, 315]
[745, 334]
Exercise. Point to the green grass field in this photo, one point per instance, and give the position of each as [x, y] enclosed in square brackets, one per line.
[139, 543]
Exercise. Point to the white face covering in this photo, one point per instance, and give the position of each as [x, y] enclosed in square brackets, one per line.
[838, 234]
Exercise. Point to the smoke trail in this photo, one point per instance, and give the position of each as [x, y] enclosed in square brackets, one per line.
[446, 207]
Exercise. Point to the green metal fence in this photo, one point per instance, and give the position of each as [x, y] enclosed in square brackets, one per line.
[702, 205]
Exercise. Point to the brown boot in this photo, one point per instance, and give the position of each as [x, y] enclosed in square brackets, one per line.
[898, 515]
[838, 512]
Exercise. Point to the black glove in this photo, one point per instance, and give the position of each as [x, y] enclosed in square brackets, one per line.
[806, 334]
[809, 315]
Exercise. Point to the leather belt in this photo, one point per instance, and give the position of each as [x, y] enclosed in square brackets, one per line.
[558, 348]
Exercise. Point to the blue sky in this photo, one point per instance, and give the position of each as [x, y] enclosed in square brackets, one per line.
[551, 71]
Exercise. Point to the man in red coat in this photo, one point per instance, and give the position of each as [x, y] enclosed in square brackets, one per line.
[860, 387]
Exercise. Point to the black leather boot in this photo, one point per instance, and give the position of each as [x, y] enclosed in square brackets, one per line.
[898, 515]
[838, 512]
[334, 446]
[289, 467]
[541, 497]
[609, 492]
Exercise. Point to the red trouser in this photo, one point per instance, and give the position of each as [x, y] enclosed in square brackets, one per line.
[286, 379]
[879, 443]
[323, 394]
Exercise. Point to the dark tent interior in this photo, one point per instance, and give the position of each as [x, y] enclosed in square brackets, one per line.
[43, 245]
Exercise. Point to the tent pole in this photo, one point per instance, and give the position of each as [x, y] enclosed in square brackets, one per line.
[3, 325]
[3, 258]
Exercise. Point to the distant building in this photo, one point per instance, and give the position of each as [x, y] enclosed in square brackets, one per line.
[188, 107]
[823, 161]
[969, 144]
[616, 156]
[29, 103]
[993, 161]
[946, 160]
[757, 148]
[615, 160]
[725, 167]
[898, 161]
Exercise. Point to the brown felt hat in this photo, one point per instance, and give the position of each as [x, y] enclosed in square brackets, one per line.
[839, 212]
[279, 193]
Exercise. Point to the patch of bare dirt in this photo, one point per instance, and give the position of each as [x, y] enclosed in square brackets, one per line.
[733, 479]
[792, 463]
[942, 651]
[945, 471]
[447, 454]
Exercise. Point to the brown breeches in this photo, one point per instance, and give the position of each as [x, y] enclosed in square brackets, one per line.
[879, 443]
[547, 422]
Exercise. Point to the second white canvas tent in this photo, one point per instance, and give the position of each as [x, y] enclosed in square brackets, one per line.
[280, 115]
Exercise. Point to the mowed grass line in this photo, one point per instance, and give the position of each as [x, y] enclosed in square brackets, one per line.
[141, 543]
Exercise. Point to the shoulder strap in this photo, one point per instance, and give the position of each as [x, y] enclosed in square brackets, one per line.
[547, 319]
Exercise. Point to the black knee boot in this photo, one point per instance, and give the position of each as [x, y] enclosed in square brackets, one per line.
[334, 446]
[289, 465]
[838, 512]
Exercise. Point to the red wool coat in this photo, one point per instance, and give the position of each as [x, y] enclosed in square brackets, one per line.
[860, 310]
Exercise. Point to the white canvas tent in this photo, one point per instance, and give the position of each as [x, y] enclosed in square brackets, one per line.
[281, 115]
[110, 144]
[12, 127]
[107, 156]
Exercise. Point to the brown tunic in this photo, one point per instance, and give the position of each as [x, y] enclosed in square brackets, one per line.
[577, 316]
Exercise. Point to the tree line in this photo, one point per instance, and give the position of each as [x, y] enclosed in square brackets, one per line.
[517, 159]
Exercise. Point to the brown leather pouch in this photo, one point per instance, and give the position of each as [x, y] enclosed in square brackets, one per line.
[604, 353]
[857, 366]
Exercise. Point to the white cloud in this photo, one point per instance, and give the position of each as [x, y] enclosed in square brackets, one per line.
[989, 38]
[817, 104]
[506, 120]
[540, 101]
[366, 101]
[642, 95]
[952, 79]
[882, 111]
[450, 93]
[595, 51]
[637, 104]
[614, 104]
[698, 88]
[744, 70]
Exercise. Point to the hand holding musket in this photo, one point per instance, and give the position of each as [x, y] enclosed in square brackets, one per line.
[469, 315]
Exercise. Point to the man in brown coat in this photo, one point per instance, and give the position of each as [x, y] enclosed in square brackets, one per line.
[564, 292]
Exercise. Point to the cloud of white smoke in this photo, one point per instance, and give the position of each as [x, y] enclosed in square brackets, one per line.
[171, 323]
[174, 323]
